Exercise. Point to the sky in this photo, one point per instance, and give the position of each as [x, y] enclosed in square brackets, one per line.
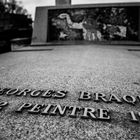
[31, 4]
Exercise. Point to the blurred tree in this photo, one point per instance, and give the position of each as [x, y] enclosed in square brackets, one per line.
[15, 22]
[12, 6]
[2, 7]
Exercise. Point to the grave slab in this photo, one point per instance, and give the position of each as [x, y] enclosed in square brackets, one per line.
[72, 92]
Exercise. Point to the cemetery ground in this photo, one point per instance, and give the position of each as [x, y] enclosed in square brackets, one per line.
[102, 69]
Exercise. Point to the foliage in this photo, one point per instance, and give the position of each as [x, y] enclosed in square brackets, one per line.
[12, 7]
[2, 8]
[14, 21]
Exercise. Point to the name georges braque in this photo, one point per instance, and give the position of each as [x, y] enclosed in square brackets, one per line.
[71, 111]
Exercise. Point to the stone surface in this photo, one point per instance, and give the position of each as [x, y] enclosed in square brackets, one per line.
[40, 25]
[62, 2]
[92, 68]
[43, 32]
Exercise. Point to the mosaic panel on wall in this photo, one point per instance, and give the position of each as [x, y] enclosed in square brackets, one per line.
[93, 24]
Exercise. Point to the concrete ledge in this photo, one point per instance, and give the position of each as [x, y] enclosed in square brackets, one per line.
[128, 43]
[133, 49]
[23, 49]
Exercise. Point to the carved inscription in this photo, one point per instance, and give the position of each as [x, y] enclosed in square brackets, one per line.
[33, 93]
[71, 110]
[50, 109]
[101, 97]
[3, 104]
